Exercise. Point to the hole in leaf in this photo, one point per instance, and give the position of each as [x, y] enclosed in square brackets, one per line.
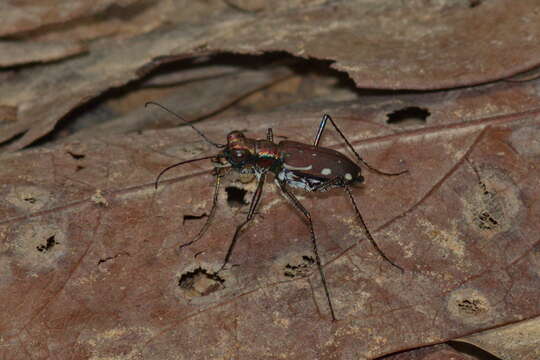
[490, 211]
[193, 217]
[303, 269]
[471, 306]
[76, 156]
[235, 196]
[486, 221]
[411, 115]
[104, 260]
[200, 282]
[474, 3]
[48, 245]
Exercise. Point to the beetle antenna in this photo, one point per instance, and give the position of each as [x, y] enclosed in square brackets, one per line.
[178, 164]
[219, 146]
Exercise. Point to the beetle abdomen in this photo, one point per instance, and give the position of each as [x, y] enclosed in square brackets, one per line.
[299, 180]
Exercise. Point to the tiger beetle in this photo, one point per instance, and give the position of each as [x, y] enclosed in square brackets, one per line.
[294, 165]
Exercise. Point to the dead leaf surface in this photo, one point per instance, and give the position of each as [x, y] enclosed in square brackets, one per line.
[91, 264]
[381, 45]
[519, 341]
[41, 104]
[435, 352]
[192, 99]
[23, 16]
[18, 53]
[420, 45]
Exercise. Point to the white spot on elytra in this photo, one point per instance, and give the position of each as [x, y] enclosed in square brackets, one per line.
[290, 167]
[326, 171]
[348, 176]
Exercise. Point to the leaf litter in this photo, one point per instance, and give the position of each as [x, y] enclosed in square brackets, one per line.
[461, 222]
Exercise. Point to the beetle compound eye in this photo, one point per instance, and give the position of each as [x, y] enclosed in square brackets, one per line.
[238, 156]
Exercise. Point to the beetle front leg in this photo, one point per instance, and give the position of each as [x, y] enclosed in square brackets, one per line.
[219, 174]
[255, 200]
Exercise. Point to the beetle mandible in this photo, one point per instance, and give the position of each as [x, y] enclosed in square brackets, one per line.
[294, 165]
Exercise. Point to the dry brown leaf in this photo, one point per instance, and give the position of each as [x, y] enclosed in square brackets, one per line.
[18, 53]
[380, 45]
[520, 341]
[198, 99]
[89, 250]
[420, 45]
[42, 102]
[135, 19]
[435, 352]
[22, 16]
[7, 114]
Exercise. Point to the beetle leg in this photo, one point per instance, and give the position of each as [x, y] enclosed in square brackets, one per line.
[320, 130]
[328, 184]
[270, 135]
[322, 125]
[255, 200]
[219, 175]
[348, 190]
[289, 195]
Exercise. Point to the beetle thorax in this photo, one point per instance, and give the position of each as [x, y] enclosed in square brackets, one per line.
[248, 155]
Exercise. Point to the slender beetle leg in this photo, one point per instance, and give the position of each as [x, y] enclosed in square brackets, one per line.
[320, 130]
[348, 190]
[219, 174]
[270, 135]
[328, 184]
[252, 208]
[337, 180]
[307, 215]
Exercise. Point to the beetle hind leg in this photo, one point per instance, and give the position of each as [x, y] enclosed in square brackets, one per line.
[368, 234]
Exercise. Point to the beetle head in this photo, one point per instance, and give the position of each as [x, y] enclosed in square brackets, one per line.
[239, 152]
